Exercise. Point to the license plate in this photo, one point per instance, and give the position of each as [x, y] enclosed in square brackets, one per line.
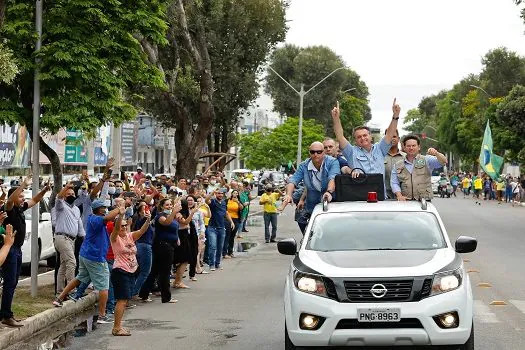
[378, 315]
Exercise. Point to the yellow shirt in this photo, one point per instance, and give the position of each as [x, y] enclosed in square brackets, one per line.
[233, 209]
[478, 184]
[500, 186]
[466, 182]
[204, 211]
[270, 202]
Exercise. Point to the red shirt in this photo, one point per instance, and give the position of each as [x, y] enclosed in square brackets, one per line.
[110, 226]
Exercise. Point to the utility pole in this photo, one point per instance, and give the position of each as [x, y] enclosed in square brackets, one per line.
[35, 212]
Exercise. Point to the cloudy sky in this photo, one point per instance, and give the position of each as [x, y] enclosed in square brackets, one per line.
[407, 48]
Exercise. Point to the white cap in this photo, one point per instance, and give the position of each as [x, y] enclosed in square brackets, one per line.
[139, 168]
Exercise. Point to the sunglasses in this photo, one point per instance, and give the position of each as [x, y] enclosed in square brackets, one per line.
[313, 151]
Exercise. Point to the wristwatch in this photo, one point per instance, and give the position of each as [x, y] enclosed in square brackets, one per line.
[395, 118]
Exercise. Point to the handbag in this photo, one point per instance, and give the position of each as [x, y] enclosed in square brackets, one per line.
[349, 189]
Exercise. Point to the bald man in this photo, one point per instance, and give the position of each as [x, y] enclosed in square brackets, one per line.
[318, 174]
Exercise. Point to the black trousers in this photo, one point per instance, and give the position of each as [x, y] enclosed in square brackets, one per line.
[193, 240]
[163, 253]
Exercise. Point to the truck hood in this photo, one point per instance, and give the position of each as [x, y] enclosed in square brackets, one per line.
[380, 263]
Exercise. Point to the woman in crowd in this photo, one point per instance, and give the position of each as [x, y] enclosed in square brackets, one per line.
[144, 250]
[125, 266]
[182, 252]
[164, 244]
[203, 244]
[234, 208]
[197, 231]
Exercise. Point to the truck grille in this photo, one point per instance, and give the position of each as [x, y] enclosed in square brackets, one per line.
[354, 324]
[359, 291]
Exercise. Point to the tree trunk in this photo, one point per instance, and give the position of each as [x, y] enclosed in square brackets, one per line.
[224, 145]
[56, 167]
[3, 6]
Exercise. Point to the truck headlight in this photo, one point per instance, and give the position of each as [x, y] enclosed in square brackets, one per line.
[446, 282]
[310, 284]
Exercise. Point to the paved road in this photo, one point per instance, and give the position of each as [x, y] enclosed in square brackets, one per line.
[241, 306]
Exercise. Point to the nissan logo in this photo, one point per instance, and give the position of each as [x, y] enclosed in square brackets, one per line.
[378, 290]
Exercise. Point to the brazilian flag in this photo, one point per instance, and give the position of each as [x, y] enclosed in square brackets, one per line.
[490, 162]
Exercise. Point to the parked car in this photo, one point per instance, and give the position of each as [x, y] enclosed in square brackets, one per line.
[270, 177]
[46, 246]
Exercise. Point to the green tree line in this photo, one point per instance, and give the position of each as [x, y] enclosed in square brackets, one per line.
[456, 118]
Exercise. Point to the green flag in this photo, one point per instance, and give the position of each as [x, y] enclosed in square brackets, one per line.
[490, 163]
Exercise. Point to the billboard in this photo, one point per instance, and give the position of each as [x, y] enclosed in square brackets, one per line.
[15, 146]
[75, 148]
[102, 145]
[128, 142]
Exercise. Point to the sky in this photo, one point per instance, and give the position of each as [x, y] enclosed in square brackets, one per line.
[406, 49]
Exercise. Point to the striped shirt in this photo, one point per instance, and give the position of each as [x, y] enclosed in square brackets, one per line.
[68, 219]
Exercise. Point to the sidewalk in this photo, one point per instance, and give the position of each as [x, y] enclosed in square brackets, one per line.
[39, 322]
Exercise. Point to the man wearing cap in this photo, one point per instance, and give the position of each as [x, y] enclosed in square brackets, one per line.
[411, 177]
[318, 174]
[92, 260]
[138, 176]
[269, 200]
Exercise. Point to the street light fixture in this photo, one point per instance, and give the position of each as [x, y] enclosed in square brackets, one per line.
[348, 90]
[480, 88]
[301, 94]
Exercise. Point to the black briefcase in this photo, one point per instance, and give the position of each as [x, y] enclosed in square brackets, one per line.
[348, 189]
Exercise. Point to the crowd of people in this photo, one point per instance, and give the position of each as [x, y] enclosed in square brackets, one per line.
[508, 189]
[129, 239]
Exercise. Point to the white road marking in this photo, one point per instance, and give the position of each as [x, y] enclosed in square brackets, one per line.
[520, 304]
[483, 313]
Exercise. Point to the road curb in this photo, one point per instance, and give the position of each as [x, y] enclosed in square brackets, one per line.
[35, 324]
[256, 213]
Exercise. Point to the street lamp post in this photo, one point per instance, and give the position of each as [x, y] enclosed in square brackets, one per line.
[301, 94]
[36, 155]
[480, 88]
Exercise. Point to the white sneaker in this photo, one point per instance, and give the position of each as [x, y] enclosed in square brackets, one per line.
[212, 269]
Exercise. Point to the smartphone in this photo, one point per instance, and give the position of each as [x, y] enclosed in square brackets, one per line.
[147, 184]
[146, 210]
[123, 175]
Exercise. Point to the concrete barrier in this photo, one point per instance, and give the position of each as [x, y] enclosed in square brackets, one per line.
[35, 324]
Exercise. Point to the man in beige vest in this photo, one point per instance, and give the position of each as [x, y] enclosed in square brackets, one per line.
[411, 177]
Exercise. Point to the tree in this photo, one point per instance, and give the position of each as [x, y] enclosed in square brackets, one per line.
[8, 68]
[214, 53]
[354, 112]
[502, 69]
[88, 60]
[308, 66]
[271, 148]
[510, 124]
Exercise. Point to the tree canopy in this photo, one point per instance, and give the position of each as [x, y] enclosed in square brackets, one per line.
[308, 66]
[460, 114]
[270, 148]
[88, 59]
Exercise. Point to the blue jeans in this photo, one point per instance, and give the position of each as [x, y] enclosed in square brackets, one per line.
[110, 306]
[10, 273]
[270, 218]
[144, 259]
[216, 243]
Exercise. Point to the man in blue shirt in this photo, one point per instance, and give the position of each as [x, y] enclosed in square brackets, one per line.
[411, 177]
[92, 261]
[365, 155]
[318, 174]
